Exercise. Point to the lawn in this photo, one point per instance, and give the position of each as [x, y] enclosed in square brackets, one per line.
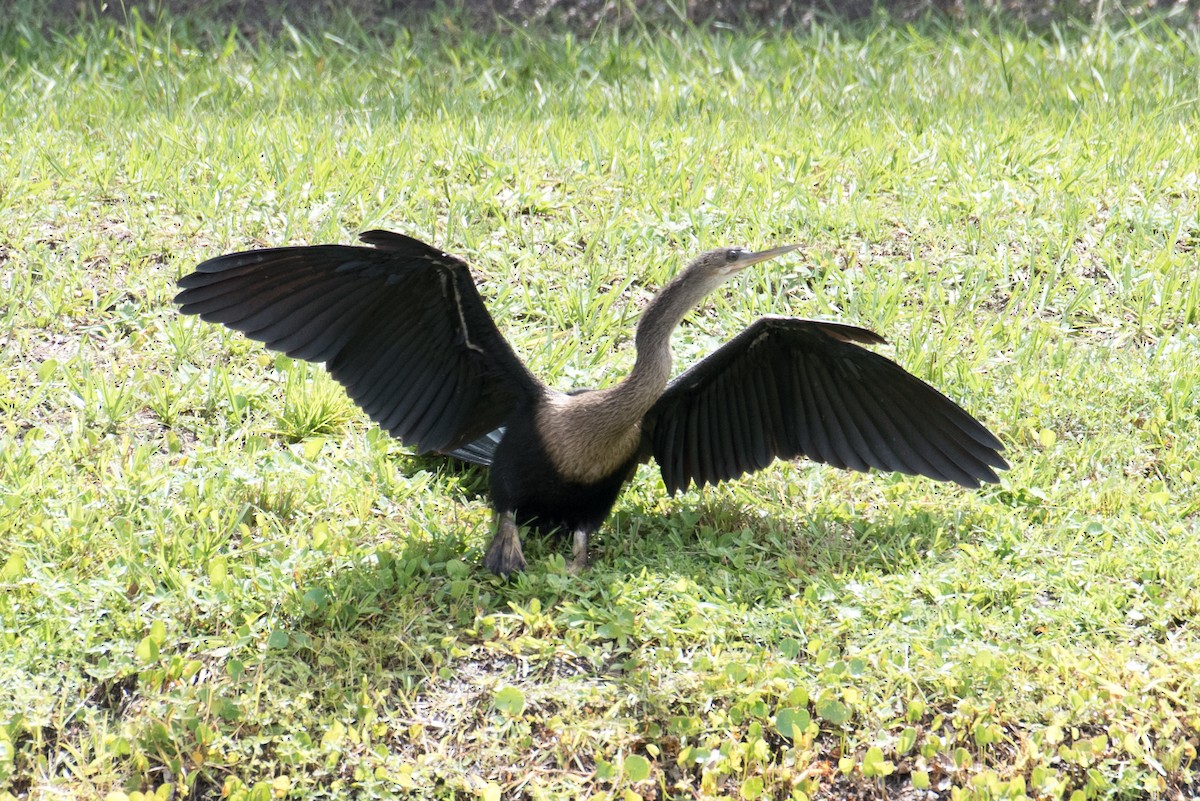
[218, 579]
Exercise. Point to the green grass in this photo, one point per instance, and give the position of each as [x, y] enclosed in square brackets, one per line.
[216, 576]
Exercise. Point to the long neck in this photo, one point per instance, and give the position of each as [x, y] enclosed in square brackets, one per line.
[634, 396]
[591, 434]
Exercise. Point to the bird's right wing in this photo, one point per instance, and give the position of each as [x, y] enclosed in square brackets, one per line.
[400, 325]
[786, 387]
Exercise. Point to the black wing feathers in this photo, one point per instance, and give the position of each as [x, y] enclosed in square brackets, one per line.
[400, 326]
[482, 450]
[786, 387]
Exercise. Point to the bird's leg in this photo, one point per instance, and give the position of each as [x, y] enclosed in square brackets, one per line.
[504, 555]
[579, 560]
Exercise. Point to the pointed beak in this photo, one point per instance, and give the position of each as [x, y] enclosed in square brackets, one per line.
[763, 255]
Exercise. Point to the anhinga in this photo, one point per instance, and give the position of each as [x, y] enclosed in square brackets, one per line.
[402, 327]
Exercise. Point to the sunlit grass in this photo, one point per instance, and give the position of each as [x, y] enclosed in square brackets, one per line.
[214, 573]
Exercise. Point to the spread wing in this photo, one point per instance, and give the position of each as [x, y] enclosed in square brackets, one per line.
[786, 387]
[400, 325]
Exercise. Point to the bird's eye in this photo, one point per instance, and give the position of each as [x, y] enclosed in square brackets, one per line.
[732, 254]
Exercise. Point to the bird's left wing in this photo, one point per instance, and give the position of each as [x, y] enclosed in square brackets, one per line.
[786, 387]
[400, 326]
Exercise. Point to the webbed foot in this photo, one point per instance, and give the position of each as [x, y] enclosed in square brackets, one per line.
[504, 556]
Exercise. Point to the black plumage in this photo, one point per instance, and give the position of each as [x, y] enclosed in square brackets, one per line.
[845, 405]
[391, 324]
[402, 327]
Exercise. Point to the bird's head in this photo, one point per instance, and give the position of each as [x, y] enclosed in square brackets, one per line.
[704, 274]
[726, 262]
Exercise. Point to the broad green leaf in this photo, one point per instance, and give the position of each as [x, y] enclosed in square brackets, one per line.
[752, 788]
[218, 570]
[510, 701]
[14, 568]
[874, 766]
[312, 448]
[334, 735]
[605, 771]
[314, 601]
[637, 768]
[833, 710]
[147, 650]
[792, 722]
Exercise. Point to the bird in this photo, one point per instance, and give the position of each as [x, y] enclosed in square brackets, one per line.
[400, 324]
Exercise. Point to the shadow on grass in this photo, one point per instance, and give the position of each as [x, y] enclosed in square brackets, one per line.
[420, 627]
[698, 538]
[721, 547]
[460, 480]
[214, 21]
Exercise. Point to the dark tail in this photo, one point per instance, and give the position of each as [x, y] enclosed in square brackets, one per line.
[481, 450]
